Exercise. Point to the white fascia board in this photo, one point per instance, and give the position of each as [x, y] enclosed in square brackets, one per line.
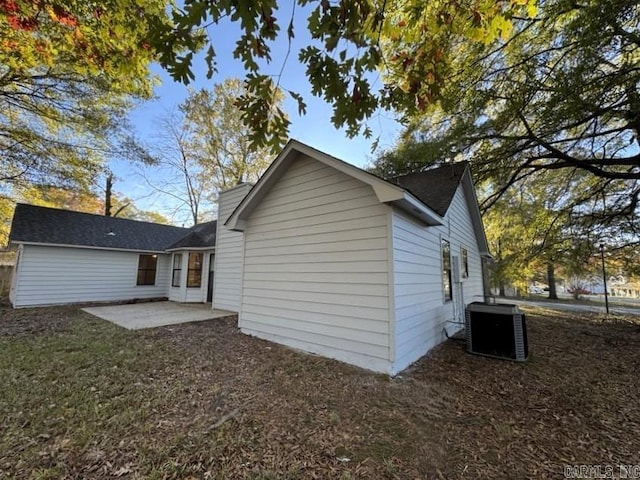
[239, 225]
[387, 192]
[186, 249]
[476, 217]
[418, 210]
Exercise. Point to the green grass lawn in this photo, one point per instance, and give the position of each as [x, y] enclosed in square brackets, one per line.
[82, 398]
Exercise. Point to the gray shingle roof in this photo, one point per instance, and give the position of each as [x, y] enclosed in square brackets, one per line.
[201, 235]
[434, 187]
[34, 224]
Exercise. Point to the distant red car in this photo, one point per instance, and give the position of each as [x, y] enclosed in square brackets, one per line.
[579, 291]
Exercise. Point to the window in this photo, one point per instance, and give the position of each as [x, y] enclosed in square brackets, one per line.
[147, 269]
[177, 270]
[194, 271]
[465, 263]
[446, 270]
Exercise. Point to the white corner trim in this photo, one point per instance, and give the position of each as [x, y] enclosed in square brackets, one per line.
[391, 289]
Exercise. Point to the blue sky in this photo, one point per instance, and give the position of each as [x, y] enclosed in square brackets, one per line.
[314, 128]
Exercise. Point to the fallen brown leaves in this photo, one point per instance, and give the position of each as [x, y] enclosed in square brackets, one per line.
[203, 401]
[19, 322]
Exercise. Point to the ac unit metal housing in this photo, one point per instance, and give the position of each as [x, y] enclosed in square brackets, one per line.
[496, 330]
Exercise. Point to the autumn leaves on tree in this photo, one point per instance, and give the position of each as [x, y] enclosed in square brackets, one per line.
[69, 73]
[527, 91]
[71, 69]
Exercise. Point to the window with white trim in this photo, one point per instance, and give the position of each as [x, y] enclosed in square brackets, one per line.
[194, 271]
[147, 267]
[446, 270]
[177, 270]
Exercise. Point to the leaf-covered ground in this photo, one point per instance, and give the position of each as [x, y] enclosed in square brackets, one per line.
[81, 398]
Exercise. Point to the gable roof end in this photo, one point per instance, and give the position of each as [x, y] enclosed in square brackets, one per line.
[386, 192]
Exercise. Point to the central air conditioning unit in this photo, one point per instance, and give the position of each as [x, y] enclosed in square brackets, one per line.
[496, 330]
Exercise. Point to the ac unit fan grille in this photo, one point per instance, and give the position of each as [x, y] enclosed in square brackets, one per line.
[496, 331]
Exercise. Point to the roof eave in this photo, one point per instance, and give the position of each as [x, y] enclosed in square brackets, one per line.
[86, 247]
[386, 192]
[236, 224]
[414, 207]
[176, 249]
[474, 210]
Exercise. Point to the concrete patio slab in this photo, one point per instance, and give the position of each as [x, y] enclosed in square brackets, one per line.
[155, 314]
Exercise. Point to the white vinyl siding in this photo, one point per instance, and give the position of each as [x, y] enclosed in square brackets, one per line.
[462, 234]
[176, 294]
[315, 272]
[227, 283]
[57, 275]
[421, 314]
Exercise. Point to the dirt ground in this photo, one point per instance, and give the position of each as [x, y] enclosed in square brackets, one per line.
[81, 398]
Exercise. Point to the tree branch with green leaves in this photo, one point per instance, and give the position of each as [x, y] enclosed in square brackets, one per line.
[406, 46]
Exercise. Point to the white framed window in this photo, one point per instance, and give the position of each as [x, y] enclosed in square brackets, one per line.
[194, 270]
[177, 270]
[147, 267]
[446, 270]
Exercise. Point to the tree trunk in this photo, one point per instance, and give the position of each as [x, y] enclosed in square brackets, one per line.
[107, 196]
[501, 289]
[551, 280]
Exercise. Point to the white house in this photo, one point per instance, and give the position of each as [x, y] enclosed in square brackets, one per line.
[192, 261]
[72, 257]
[344, 264]
[319, 255]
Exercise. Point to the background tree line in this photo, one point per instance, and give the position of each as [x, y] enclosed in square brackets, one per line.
[541, 97]
[549, 119]
[70, 74]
